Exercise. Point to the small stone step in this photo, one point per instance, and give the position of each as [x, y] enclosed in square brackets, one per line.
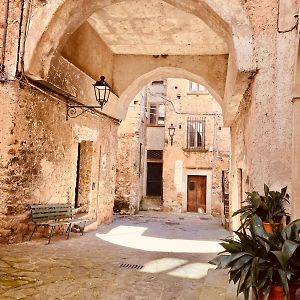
[151, 203]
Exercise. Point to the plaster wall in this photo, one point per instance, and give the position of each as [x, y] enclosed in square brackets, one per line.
[262, 132]
[99, 60]
[155, 138]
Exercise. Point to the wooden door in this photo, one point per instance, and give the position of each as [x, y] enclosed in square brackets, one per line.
[154, 179]
[196, 193]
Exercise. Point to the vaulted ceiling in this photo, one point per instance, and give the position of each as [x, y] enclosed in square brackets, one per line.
[154, 27]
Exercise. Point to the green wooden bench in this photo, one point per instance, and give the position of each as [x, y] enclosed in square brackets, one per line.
[51, 215]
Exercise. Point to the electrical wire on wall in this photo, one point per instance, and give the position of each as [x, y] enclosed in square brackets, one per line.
[178, 112]
[217, 154]
[148, 92]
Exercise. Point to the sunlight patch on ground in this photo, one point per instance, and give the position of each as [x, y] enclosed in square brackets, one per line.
[177, 267]
[163, 264]
[192, 270]
[132, 237]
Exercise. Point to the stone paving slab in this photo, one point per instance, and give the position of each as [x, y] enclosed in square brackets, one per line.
[88, 267]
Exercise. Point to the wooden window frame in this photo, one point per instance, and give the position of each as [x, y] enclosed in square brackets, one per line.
[156, 116]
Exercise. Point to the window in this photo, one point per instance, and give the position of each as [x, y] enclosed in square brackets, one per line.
[161, 114]
[197, 88]
[156, 114]
[154, 155]
[157, 82]
[196, 133]
[152, 114]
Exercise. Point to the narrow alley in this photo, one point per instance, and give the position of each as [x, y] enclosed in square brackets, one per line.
[147, 256]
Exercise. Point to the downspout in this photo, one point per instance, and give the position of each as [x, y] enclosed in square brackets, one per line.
[28, 17]
[19, 38]
[98, 186]
[2, 64]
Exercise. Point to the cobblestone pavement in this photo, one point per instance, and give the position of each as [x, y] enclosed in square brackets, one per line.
[172, 248]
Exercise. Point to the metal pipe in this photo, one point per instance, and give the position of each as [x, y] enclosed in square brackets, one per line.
[19, 38]
[28, 17]
[98, 185]
[4, 36]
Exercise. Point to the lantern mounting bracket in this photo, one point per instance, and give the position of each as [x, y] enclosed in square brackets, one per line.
[102, 92]
[74, 111]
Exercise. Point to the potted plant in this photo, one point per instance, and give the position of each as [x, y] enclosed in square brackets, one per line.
[269, 207]
[269, 264]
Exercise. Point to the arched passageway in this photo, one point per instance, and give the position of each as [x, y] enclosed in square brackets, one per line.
[64, 45]
[222, 64]
[185, 172]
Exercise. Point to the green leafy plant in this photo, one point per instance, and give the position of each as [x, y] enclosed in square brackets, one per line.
[257, 260]
[269, 207]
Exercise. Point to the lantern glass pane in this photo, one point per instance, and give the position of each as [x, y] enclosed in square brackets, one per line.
[171, 131]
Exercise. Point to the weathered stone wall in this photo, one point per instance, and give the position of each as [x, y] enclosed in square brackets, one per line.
[39, 154]
[130, 159]
[262, 132]
[179, 162]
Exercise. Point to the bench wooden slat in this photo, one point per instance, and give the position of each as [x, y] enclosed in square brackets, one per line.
[38, 206]
[51, 212]
[54, 216]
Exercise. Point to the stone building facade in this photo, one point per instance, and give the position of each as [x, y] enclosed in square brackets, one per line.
[51, 52]
[131, 157]
[200, 150]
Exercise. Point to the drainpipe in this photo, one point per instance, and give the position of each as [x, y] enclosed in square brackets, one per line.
[2, 64]
[215, 139]
[98, 186]
[27, 24]
[20, 37]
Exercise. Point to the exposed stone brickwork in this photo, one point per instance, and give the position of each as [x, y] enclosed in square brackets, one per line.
[130, 159]
[39, 164]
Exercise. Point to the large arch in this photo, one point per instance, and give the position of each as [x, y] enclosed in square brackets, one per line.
[58, 19]
[52, 25]
[161, 73]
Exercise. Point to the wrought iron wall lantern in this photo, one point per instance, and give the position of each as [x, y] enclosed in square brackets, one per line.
[102, 92]
[171, 132]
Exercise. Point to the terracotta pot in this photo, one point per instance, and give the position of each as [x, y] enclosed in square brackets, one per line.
[268, 227]
[293, 290]
[277, 293]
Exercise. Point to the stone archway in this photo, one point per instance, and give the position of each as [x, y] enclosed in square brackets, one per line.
[61, 20]
[164, 72]
[57, 20]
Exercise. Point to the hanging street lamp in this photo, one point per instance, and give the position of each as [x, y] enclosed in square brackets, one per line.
[102, 93]
[171, 132]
